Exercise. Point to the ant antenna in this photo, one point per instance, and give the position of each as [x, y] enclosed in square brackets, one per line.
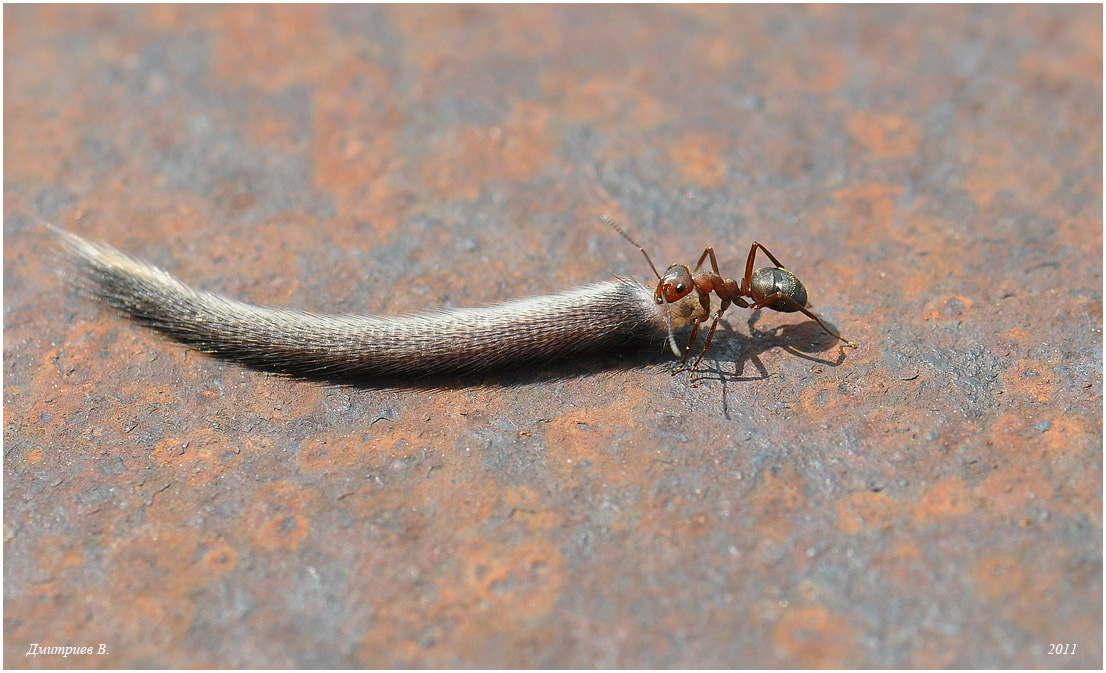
[611, 223]
[667, 311]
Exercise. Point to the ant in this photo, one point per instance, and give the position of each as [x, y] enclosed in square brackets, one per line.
[769, 287]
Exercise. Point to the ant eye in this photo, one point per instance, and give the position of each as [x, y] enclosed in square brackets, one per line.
[680, 287]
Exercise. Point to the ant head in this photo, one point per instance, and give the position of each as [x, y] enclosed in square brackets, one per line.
[674, 285]
[769, 281]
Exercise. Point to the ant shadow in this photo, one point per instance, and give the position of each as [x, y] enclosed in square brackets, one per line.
[801, 340]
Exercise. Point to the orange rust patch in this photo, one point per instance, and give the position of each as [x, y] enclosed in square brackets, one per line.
[357, 121]
[884, 135]
[58, 552]
[155, 620]
[697, 158]
[996, 167]
[955, 307]
[601, 101]
[1068, 432]
[281, 400]
[998, 576]
[718, 52]
[947, 498]
[816, 638]
[198, 457]
[1006, 428]
[866, 510]
[1030, 378]
[801, 69]
[497, 586]
[276, 518]
[826, 402]
[297, 47]
[1011, 489]
[326, 455]
[868, 206]
[773, 503]
[585, 437]
[162, 566]
[1059, 72]
[220, 556]
[44, 145]
[524, 580]
[1085, 234]
[903, 564]
[283, 531]
[1019, 590]
[469, 157]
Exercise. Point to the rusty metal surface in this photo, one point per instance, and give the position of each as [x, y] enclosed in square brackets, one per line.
[930, 499]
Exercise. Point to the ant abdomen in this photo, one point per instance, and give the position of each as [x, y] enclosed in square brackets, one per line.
[770, 280]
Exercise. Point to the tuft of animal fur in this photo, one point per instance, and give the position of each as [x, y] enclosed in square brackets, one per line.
[595, 317]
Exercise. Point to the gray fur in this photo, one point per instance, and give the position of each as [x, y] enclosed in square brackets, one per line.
[595, 317]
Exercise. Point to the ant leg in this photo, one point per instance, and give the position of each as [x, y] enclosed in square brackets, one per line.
[779, 295]
[706, 344]
[704, 301]
[747, 282]
[687, 351]
[713, 261]
[770, 255]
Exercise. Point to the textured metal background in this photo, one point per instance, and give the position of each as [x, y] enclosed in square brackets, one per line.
[930, 499]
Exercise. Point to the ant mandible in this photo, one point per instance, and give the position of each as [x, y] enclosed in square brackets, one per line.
[769, 287]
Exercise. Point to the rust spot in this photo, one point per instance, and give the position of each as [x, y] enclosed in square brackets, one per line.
[997, 577]
[997, 167]
[326, 455]
[801, 69]
[291, 53]
[220, 556]
[866, 510]
[1030, 378]
[868, 206]
[56, 553]
[698, 160]
[770, 504]
[468, 157]
[884, 135]
[904, 563]
[816, 638]
[947, 498]
[601, 100]
[1010, 490]
[524, 579]
[948, 308]
[197, 458]
[282, 531]
[276, 516]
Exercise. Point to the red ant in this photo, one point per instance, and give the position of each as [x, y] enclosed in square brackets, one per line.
[770, 287]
